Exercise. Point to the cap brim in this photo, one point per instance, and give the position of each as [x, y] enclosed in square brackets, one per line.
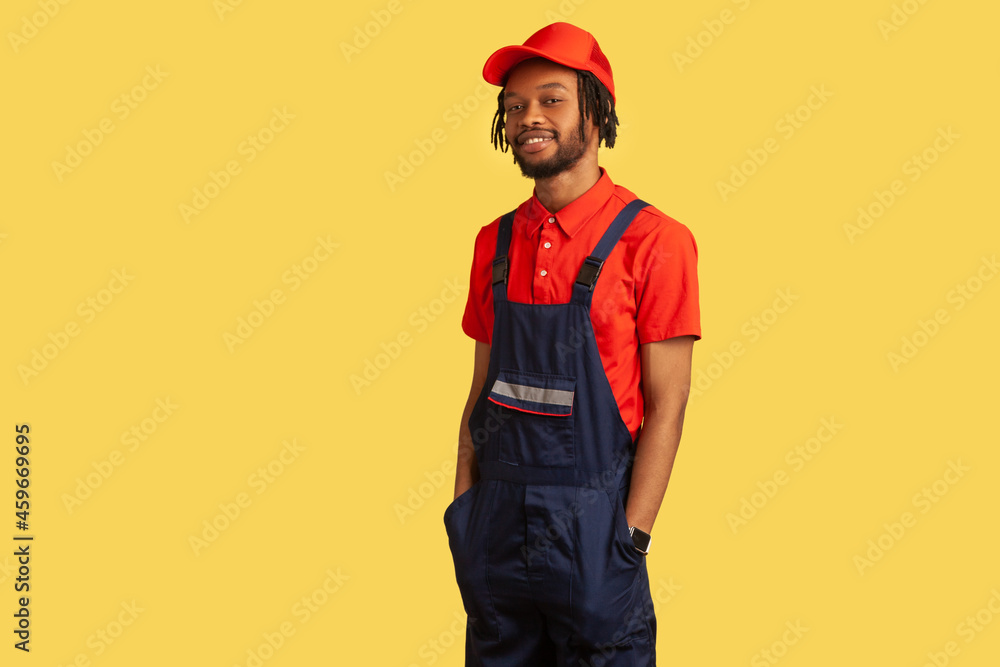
[503, 60]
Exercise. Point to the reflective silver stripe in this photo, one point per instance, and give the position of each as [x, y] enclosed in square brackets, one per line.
[523, 392]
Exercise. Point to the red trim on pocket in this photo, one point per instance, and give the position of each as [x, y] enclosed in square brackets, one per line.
[547, 414]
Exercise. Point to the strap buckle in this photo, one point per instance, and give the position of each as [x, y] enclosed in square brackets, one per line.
[589, 271]
[500, 270]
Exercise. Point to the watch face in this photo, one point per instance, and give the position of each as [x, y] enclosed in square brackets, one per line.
[640, 539]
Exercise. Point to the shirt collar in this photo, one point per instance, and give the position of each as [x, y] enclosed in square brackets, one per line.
[572, 217]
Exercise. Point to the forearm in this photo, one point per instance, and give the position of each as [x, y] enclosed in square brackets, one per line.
[656, 449]
[466, 468]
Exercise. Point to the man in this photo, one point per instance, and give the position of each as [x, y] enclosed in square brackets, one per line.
[584, 307]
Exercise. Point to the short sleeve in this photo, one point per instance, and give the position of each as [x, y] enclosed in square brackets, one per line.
[477, 321]
[666, 283]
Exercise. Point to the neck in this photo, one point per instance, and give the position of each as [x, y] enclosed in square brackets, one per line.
[560, 190]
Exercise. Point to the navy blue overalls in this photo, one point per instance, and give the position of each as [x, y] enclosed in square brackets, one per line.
[543, 556]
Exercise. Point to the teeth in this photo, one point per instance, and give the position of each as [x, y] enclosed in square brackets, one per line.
[535, 140]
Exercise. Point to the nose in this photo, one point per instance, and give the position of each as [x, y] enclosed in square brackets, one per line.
[532, 114]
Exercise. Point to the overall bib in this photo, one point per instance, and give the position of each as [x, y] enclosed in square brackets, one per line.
[543, 556]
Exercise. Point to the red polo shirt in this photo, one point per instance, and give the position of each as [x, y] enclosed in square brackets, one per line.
[647, 290]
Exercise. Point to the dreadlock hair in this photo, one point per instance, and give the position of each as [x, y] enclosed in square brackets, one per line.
[595, 102]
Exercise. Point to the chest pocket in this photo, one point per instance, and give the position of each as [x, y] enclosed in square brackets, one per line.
[536, 417]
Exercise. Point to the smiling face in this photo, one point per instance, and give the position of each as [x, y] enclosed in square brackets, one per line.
[542, 121]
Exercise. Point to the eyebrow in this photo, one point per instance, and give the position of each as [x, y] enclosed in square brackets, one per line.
[554, 84]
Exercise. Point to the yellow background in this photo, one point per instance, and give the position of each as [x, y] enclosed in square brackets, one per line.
[402, 247]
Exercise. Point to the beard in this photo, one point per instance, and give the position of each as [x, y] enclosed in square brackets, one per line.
[567, 154]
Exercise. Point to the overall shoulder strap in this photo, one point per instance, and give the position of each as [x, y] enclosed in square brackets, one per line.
[591, 268]
[500, 263]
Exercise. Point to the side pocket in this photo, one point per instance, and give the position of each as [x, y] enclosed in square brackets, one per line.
[621, 529]
[459, 501]
[465, 521]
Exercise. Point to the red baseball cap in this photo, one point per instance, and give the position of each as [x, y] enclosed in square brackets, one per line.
[562, 43]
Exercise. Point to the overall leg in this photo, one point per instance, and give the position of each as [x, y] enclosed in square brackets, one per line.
[506, 627]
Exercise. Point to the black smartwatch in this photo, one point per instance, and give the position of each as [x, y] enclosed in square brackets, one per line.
[640, 540]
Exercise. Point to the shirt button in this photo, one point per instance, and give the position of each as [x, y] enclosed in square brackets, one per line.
[548, 245]
[552, 219]
[544, 272]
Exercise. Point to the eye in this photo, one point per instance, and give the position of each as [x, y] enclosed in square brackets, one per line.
[513, 108]
[553, 99]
